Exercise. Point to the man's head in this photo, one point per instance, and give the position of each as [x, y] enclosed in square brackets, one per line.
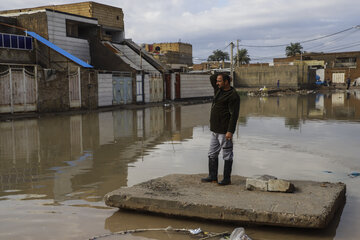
[223, 81]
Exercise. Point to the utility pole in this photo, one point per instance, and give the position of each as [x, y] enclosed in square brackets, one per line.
[231, 63]
[237, 53]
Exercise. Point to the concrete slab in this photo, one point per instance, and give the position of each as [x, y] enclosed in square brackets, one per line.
[312, 205]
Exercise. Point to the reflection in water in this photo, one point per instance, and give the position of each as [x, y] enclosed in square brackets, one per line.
[83, 157]
[86, 149]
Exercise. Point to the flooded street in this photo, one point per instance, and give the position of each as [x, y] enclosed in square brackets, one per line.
[54, 171]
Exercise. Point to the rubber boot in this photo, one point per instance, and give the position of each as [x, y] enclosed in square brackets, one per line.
[227, 172]
[213, 170]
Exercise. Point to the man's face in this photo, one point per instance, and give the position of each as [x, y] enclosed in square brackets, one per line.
[220, 82]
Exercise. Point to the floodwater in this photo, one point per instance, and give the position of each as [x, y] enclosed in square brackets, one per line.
[54, 171]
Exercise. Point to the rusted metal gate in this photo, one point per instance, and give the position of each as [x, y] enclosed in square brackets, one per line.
[168, 86]
[177, 86]
[74, 88]
[18, 90]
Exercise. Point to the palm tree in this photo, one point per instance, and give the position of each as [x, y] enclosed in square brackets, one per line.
[293, 49]
[244, 57]
[218, 55]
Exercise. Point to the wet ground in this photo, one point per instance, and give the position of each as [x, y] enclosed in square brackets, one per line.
[54, 171]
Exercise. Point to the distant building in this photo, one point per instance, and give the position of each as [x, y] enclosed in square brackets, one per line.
[335, 67]
[210, 65]
[176, 55]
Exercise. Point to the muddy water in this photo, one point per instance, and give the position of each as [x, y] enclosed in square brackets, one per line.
[54, 171]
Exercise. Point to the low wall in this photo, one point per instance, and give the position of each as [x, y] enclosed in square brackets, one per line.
[16, 56]
[294, 76]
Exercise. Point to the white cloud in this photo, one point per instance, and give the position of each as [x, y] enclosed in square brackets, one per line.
[212, 24]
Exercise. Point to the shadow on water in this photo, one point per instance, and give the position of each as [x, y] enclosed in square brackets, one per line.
[83, 157]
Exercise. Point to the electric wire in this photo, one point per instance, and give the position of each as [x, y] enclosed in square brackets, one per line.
[305, 41]
[325, 45]
[333, 41]
[345, 47]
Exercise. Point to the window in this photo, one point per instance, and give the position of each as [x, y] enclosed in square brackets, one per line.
[21, 42]
[78, 29]
[6, 40]
[345, 62]
[71, 29]
[15, 41]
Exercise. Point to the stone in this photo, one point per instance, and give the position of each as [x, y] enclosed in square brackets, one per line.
[264, 177]
[312, 205]
[258, 182]
[279, 185]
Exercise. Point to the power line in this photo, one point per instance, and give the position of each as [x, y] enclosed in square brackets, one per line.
[332, 42]
[345, 47]
[305, 41]
[226, 47]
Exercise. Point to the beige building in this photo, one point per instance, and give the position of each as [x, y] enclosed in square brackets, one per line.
[176, 55]
[111, 19]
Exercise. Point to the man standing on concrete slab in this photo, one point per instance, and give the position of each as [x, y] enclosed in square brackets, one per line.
[223, 118]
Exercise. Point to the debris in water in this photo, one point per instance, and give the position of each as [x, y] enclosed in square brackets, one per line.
[195, 231]
[239, 234]
[354, 174]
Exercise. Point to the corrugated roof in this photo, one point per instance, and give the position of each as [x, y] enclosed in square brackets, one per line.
[121, 55]
[59, 50]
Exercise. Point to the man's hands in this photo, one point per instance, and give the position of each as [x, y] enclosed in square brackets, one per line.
[228, 136]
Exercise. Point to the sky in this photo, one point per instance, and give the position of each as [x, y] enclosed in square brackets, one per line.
[212, 24]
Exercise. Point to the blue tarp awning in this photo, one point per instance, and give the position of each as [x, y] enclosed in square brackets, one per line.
[59, 50]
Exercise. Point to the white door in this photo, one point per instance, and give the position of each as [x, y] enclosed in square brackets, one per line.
[74, 89]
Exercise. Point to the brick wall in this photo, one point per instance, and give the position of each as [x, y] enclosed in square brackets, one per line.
[53, 94]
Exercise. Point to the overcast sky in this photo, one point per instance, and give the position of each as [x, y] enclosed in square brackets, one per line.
[213, 24]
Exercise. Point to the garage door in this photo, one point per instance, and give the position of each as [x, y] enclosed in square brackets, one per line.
[338, 78]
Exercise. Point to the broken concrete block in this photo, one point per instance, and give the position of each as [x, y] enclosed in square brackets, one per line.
[264, 177]
[279, 185]
[256, 184]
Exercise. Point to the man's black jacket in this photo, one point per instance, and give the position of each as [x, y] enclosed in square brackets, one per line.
[224, 109]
